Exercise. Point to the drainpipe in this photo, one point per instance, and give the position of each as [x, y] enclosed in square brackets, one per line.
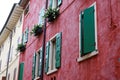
[8, 52]
[43, 48]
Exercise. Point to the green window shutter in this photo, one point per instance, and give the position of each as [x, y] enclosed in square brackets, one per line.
[59, 2]
[58, 50]
[50, 3]
[40, 63]
[87, 31]
[47, 57]
[21, 69]
[33, 66]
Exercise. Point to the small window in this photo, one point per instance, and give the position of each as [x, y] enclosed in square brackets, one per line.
[26, 9]
[14, 31]
[11, 53]
[54, 3]
[41, 14]
[53, 51]
[37, 62]
[25, 36]
[21, 19]
[52, 54]
[88, 33]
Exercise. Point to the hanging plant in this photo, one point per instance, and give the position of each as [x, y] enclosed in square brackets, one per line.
[51, 14]
[37, 30]
[21, 47]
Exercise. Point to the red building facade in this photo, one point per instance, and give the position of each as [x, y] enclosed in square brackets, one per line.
[87, 35]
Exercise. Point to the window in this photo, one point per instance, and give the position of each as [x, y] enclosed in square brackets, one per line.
[88, 34]
[54, 3]
[25, 36]
[14, 31]
[37, 62]
[11, 53]
[41, 14]
[27, 9]
[53, 52]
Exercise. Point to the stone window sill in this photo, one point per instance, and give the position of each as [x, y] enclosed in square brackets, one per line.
[51, 71]
[80, 59]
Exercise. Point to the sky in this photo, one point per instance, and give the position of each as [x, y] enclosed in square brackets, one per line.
[5, 8]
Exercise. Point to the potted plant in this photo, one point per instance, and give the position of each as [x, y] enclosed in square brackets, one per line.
[21, 47]
[37, 30]
[51, 14]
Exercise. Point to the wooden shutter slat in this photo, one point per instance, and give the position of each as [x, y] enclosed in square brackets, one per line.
[58, 50]
[21, 70]
[33, 66]
[88, 31]
[47, 57]
[40, 62]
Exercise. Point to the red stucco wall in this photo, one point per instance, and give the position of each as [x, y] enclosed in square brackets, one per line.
[104, 66]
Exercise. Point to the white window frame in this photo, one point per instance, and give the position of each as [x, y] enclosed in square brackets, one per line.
[82, 58]
[37, 64]
[50, 71]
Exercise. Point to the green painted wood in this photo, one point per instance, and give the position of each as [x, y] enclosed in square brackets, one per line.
[33, 66]
[87, 31]
[40, 62]
[47, 57]
[58, 50]
[21, 70]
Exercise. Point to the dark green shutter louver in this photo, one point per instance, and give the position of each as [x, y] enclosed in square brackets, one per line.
[58, 50]
[47, 57]
[59, 2]
[50, 3]
[40, 62]
[33, 66]
[21, 70]
[87, 31]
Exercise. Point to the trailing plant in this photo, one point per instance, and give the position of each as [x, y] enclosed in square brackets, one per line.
[37, 30]
[21, 47]
[51, 14]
